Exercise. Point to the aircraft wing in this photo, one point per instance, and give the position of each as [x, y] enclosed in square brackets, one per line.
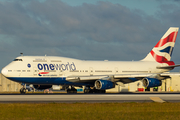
[125, 78]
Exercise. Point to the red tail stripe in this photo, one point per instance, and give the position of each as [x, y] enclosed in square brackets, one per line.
[161, 59]
[170, 38]
[157, 57]
[169, 63]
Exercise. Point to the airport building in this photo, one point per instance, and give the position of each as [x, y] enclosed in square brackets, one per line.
[171, 84]
[7, 85]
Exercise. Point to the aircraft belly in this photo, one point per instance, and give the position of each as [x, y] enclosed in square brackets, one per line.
[52, 81]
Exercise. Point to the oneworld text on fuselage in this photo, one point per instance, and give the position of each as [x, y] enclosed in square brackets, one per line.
[62, 67]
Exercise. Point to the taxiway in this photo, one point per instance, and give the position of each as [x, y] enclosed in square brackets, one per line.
[71, 98]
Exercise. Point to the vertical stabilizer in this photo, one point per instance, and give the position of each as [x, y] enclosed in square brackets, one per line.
[162, 51]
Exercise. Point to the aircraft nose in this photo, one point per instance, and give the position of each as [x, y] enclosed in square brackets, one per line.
[4, 71]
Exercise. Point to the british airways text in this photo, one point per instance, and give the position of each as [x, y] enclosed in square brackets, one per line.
[63, 67]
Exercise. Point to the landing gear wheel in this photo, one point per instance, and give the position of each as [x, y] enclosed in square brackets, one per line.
[23, 91]
[73, 90]
[99, 91]
[68, 90]
[102, 91]
[86, 90]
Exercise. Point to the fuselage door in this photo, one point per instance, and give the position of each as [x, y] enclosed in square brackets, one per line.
[116, 70]
[58, 71]
[40, 65]
[35, 71]
[91, 71]
[149, 71]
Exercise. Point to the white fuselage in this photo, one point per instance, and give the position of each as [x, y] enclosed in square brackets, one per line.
[54, 67]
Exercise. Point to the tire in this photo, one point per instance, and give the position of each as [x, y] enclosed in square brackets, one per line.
[86, 90]
[100, 91]
[75, 91]
[71, 91]
[103, 91]
[22, 90]
[68, 90]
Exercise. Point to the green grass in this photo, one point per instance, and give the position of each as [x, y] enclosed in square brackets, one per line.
[90, 111]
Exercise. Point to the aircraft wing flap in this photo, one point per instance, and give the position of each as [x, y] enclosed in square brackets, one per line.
[168, 74]
[86, 78]
[131, 75]
[160, 76]
[92, 77]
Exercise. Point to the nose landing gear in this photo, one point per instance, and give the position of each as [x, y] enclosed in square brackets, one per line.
[23, 90]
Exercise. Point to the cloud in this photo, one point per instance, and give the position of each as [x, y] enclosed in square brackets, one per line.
[89, 31]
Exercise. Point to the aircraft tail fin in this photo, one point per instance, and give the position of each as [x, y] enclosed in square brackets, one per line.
[162, 51]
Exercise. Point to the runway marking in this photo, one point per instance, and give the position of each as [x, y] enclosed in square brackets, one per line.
[142, 95]
[157, 99]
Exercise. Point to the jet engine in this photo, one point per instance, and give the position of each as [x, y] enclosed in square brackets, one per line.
[151, 82]
[104, 84]
[40, 87]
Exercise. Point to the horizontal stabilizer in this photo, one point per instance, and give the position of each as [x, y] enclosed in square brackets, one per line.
[168, 67]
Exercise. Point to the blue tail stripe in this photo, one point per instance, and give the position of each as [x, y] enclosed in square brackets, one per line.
[167, 50]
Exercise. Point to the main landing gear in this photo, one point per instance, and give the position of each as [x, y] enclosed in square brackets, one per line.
[89, 90]
[71, 90]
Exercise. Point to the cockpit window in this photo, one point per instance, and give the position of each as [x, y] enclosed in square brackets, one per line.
[18, 60]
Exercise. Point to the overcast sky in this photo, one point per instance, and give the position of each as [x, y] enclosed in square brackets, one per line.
[120, 30]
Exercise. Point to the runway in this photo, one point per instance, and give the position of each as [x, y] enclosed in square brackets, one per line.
[72, 98]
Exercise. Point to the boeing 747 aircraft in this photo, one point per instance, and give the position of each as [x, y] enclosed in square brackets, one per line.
[96, 76]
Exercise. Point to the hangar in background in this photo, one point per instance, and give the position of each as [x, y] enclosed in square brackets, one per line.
[170, 84]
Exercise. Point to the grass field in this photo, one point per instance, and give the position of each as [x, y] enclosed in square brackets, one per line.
[90, 111]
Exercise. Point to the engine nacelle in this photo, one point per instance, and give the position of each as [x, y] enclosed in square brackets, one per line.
[151, 82]
[103, 84]
[40, 87]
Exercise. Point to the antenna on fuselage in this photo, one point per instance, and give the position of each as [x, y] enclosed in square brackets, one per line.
[21, 54]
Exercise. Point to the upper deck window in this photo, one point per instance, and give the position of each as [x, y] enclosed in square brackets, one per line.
[18, 60]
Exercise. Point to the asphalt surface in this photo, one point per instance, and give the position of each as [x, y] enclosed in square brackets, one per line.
[89, 98]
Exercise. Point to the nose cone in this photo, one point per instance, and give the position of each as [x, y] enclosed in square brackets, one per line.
[4, 71]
